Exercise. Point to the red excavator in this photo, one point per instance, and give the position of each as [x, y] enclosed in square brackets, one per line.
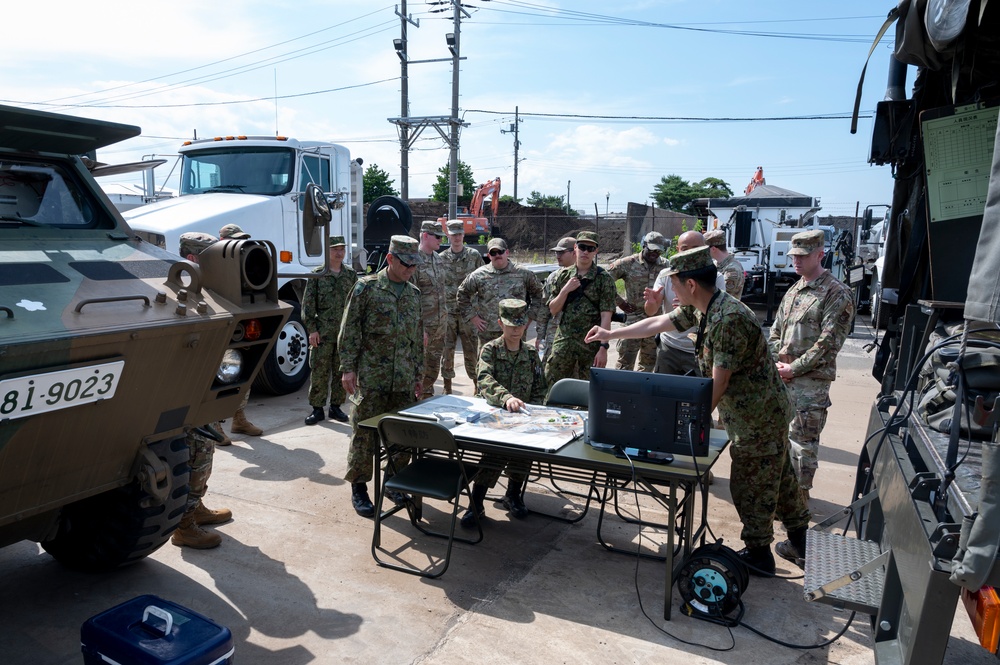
[476, 224]
[758, 179]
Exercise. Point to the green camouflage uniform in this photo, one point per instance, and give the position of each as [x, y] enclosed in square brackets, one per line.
[733, 272]
[638, 275]
[458, 266]
[809, 329]
[547, 322]
[430, 279]
[756, 411]
[570, 357]
[503, 374]
[481, 292]
[380, 340]
[323, 304]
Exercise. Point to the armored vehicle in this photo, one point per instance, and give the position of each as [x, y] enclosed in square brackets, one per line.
[110, 349]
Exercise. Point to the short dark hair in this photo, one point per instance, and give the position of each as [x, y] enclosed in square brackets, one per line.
[704, 276]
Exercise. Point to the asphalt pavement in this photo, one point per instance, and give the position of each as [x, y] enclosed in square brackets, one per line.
[295, 581]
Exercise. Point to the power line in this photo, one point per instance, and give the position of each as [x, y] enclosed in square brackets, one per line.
[651, 118]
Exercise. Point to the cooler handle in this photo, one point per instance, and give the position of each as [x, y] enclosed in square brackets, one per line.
[162, 614]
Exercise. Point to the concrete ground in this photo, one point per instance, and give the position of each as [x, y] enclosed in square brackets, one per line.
[295, 581]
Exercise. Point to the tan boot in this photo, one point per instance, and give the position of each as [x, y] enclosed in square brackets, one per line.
[447, 386]
[243, 426]
[205, 515]
[189, 534]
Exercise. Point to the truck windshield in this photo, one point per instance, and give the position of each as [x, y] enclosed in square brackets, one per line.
[45, 194]
[249, 170]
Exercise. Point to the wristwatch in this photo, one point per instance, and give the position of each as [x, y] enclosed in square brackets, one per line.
[605, 345]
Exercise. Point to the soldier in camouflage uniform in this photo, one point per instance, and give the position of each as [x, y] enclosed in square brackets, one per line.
[639, 272]
[459, 262]
[323, 304]
[480, 294]
[201, 449]
[381, 356]
[585, 295]
[546, 325]
[750, 396]
[809, 329]
[430, 279]
[510, 374]
[726, 262]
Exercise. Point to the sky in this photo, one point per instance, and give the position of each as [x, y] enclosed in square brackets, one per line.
[611, 96]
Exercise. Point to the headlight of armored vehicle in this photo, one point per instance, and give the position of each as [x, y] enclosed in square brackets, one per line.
[229, 370]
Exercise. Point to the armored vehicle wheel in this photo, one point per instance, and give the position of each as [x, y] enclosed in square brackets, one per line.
[286, 369]
[123, 525]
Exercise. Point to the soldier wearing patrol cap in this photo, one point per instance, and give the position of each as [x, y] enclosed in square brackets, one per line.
[201, 442]
[546, 325]
[480, 294]
[381, 356]
[233, 232]
[323, 303]
[459, 262]
[809, 329]
[510, 375]
[639, 272]
[430, 279]
[585, 295]
[751, 398]
[730, 268]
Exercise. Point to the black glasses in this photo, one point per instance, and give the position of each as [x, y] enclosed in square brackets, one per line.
[497, 252]
[404, 263]
[587, 248]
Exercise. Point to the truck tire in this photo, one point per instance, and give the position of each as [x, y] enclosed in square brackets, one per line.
[880, 317]
[286, 369]
[122, 526]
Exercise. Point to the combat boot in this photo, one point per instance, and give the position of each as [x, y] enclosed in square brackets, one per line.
[447, 386]
[512, 500]
[337, 414]
[204, 515]
[476, 509]
[189, 534]
[794, 549]
[361, 501]
[316, 416]
[758, 560]
[243, 426]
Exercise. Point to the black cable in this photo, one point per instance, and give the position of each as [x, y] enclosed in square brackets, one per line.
[821, 645]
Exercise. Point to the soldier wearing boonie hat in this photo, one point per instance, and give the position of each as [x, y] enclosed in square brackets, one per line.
[509, 375]
[809, 329]
[459, 262]
[638, 271]
[430, 278]
[381, 347]
[194, 242]
[731, 269]
[233, 232]
[731, 348]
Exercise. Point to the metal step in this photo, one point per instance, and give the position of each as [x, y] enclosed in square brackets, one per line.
[830, 557]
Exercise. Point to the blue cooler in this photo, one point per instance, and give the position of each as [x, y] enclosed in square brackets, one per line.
[151, 631]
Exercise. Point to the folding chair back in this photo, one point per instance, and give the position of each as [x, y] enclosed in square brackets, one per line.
[570, 392]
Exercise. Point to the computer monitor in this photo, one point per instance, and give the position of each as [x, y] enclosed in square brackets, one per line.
[650, 412]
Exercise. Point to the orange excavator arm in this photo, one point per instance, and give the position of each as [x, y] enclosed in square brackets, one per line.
[484, 190]
[757, 179]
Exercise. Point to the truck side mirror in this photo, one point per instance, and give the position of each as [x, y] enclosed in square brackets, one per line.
[316, 217]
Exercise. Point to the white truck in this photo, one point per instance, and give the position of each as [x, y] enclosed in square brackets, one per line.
[258, 182]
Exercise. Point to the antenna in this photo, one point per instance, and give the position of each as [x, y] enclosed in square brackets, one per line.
[276, 133]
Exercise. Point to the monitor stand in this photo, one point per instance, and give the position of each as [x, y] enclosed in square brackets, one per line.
[648, 456]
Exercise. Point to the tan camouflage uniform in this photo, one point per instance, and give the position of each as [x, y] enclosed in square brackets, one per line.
[323, 303]
[570, 357]
[481, 293]
[732, 270]
[638, 275]
[430, 279]
[809, 329]
[547, 323]
[503, 374]
[201, 450]
[458, 266]
[756, 411]
[381, 340]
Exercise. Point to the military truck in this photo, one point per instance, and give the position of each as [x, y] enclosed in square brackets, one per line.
[110, 349]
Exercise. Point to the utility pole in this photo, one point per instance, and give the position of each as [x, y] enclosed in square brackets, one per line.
[517, 144]
[567, 196]
[404, 107]
[454, 41]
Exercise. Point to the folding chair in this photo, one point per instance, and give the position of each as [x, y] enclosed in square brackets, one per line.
[427, 476]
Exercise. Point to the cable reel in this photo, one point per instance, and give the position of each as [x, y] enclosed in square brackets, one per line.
[711, 582]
